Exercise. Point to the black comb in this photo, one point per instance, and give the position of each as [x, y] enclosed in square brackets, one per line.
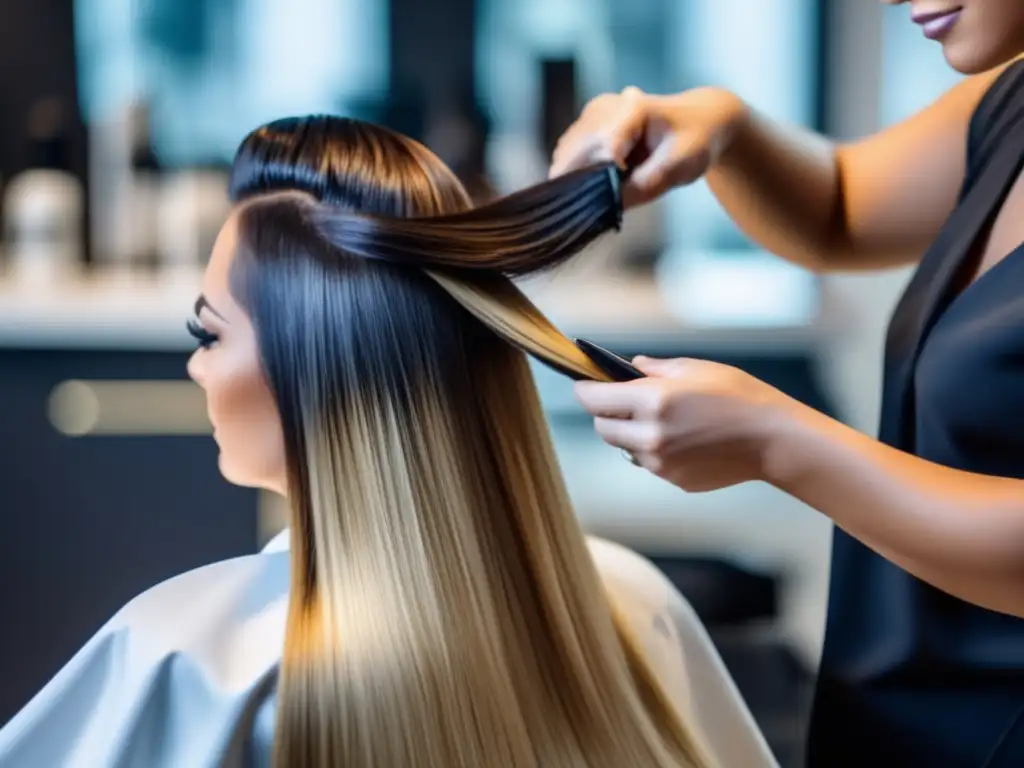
[616, 176]
[613, 365]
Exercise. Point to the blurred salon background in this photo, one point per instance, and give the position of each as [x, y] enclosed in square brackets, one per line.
[117, 121]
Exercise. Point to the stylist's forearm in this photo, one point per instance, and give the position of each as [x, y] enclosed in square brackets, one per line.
[961, 532]
[780, 185]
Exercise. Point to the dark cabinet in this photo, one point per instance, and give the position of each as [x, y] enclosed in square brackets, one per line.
[87, 522]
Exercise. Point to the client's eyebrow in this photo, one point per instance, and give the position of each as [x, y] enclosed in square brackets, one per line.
[202, 303]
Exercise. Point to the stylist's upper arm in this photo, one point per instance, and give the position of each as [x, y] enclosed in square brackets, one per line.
[875, 203]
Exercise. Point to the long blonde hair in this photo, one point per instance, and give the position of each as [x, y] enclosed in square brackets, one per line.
[444, 609]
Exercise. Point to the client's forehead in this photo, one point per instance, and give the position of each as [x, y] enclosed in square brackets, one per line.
[224, 247]
[216, 277]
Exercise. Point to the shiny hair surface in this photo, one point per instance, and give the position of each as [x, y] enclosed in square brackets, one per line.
[444, 608]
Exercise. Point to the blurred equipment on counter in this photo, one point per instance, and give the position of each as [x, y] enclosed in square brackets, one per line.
[143, 211]
[44, 205]
[193, 206]
[147, 216]
[459, 133]
[560, 100]
[111, 230]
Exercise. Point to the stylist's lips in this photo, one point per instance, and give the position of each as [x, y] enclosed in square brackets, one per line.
[937, 25]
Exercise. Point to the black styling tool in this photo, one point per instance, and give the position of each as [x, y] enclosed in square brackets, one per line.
[616, 367]
[616, 176]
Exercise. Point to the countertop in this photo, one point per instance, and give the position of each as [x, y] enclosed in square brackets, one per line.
[131, 310]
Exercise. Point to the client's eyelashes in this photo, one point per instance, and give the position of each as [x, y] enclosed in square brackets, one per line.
[203, 336]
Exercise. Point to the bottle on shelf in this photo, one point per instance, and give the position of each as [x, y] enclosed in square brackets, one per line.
[44, 205]
[146, 177]
[193, 206]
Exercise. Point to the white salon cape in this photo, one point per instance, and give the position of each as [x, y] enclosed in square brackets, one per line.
[183, 676]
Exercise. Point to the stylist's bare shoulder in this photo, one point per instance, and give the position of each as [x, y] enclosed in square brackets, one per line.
[900, 185]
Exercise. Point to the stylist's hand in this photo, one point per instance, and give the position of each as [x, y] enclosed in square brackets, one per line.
[667, 140]
[700, 425]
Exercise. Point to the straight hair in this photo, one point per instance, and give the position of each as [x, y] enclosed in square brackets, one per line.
[444, 608]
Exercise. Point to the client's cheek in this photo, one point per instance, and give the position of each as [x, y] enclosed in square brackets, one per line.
[226, 398]
[248, 428]
[267, 438]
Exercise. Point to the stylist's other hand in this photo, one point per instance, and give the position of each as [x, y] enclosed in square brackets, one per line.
[698, 424]
[668, 141]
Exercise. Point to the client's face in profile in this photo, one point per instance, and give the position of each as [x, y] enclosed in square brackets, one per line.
[247, 426]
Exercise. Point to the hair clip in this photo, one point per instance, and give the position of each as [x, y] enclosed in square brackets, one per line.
[615, 175]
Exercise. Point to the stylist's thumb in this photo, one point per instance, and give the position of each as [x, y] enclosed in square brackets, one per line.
[662, 367]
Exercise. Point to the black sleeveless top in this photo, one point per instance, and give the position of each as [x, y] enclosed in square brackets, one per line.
[910, 676]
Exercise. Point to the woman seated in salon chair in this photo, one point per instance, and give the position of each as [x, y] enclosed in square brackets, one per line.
[434, 601]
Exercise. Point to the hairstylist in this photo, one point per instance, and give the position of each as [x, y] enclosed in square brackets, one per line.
[922, 666]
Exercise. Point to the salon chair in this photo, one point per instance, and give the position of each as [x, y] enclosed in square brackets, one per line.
[739, 608]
